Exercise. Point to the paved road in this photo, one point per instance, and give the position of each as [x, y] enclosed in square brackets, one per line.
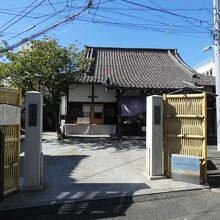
[200, 204]
[204, 206]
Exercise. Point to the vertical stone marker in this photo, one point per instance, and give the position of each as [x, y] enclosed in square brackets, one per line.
[154, 137]
[33, 160]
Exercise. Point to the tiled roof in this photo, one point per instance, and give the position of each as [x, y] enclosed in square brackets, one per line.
[141, 68]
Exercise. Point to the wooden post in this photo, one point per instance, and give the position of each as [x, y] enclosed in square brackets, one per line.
[19, 143]
[204, 147]
[119, 129]
[164, 134]
[2, 145]
[93, 92]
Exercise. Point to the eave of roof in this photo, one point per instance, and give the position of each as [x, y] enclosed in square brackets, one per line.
[141, 68]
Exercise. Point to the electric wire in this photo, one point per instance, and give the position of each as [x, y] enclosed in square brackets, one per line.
[144, 19]
[11, 13]
[115, 17]
[25, 40]
[22, 16]
[146, 9]
[170, 25]
[42, 5]
[165, 11]
[96, 10]
[18, 14]
[157, 16]
[207, 27]
[49, 16]
[139, 26]
[52, 5]
[34, 26]
[186, 19]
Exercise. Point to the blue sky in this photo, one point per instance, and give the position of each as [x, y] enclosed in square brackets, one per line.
[184, 24]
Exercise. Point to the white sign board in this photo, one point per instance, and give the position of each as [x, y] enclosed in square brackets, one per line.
[9, 114]
[185, 168]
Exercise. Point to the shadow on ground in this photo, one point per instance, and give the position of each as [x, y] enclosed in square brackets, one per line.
[61, 187]
[102, 143]
[69, 199]
[213, 167]
[95, 209]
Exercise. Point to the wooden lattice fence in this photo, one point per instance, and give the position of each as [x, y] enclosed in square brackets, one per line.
[185, 121]
[9, 145]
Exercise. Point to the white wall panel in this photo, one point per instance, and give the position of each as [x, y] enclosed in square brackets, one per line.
[104, 95]
[80, 93]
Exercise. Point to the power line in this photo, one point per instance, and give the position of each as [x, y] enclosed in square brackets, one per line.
[10, 13]
[146, 9]
[170, 25]
[52, 5]
[141, 26]
[96, 10]
[48, 16]
[35, 25]
[148, 13]
[18, 14]
[165, 11]
[71, 18]
[157, 25]
[42, 5]
[167, 28]
[140, 18]
[209, 12]
[22, 16]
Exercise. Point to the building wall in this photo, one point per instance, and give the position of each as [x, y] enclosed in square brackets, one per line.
[104, 95]
[83, 93]
[206, 67]
[80, 93]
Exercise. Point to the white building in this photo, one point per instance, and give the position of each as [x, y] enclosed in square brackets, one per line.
[207, 67]
[25, 46]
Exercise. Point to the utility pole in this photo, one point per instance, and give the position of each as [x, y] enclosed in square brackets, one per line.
[217, 65]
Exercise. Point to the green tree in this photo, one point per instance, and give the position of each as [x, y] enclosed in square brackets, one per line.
[47, 67]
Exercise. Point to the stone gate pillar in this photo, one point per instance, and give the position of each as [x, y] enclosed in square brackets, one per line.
[154, 137]
[33, 160]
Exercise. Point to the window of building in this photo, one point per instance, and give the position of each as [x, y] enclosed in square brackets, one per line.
[98, 111]
[92, 113]
[74, 110]
[86, 110]
[110, 113]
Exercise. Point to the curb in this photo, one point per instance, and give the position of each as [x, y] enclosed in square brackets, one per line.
[73, 205]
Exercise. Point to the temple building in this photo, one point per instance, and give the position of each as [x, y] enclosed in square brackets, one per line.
[110, 99]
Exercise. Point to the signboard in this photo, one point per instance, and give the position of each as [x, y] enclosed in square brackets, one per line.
[9, 114]
[185, 168]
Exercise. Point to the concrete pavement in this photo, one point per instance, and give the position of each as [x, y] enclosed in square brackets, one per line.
[84, 169]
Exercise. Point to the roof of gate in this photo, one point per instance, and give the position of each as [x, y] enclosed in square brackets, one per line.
[145, 68]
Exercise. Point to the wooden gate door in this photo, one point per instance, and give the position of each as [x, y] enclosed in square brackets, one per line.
[185, 128]
[10, 145]
[97, 114]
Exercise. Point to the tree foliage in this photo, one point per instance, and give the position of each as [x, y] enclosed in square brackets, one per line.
[45, 66]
